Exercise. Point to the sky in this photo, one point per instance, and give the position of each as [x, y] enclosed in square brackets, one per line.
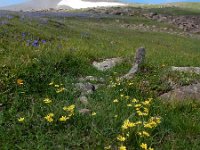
[159, 1]
[10, 2]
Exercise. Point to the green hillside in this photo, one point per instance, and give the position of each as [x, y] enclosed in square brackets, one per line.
[42, 57]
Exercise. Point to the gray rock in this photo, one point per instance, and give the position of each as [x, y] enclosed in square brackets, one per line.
[83, 100]
[107, 64]
[91, 78]
[191, 92]
[187, 69]
[85, 88]
[84, 111]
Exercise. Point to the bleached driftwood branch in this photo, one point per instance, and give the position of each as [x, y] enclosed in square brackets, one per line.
[139, 59]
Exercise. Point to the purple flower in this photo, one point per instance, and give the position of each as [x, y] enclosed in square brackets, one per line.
[23, 34]
[35, 43]
[43, 41]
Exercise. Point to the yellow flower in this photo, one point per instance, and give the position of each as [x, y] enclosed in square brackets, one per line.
[60, 90]
[127, 124]
[71, 114]
[51, 114]
[151, 148]
[69, 108]
[47, 101]
[107, 147]
[21, 119]
[146, 103]
[49, 117]
[20, 82]
[94, 114]
[138, 122]
[57, 86]
[144, 146]
[115, 101]
[127, 97]
[137, 105]
[146, 110]
[121, 138]
[141, 113]
[122, 147]
[156, 120]
[128, 134]
[63, 118]
[130, 83]
[51, 83]
[149, 125]
[129, 105]
[145, 133]
[134, 100]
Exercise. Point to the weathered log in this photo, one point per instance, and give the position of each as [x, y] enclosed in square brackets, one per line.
[139, 59]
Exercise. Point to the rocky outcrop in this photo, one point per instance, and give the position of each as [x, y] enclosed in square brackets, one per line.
[190, 92]
[85, 88]
[186, 23]
[106, 64]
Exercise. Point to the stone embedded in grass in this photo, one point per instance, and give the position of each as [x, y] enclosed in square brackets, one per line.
[187, 69]
[190, 92]
[85, 88]
[83, 100]
[107, 63]
[84, 111]
[91, 78]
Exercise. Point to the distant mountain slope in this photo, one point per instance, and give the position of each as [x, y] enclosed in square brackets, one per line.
[191, 5]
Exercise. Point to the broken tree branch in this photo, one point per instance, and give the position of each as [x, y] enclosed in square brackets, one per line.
[139, 59]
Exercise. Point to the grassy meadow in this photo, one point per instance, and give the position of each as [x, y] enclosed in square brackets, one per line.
[41, 58]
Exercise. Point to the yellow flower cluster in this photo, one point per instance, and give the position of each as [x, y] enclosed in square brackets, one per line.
[64, 118]
[142, 126]
[142, 108]
[139, 124]
[59, 88]
[145, 147]
[69, 109]
[115, 83]
[152, 122]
